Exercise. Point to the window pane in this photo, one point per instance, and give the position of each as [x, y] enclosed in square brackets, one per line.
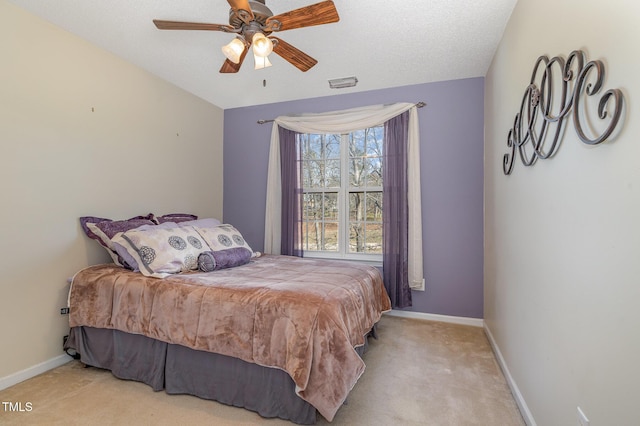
[305, 207]
[357, 144]
[375, 135]
[374, 206]
[312, 235]
[311, 147]
[373, 233]
[322, 173]
[373, 171]
[332, 146]
[332, 174]
[356, 172]
[311, 175]
[312, 209]
[356, 237]
[356, 206]
[302, 143]
[330, 242]
[365, 238]
[331, 206]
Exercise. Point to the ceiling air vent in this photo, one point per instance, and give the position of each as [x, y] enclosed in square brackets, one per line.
[340, 83]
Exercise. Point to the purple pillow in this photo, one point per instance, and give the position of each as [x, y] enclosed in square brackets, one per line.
[84, 220]
[112, 227]
[209, 261]
[102, 230]
[91, 219]
[175, 217]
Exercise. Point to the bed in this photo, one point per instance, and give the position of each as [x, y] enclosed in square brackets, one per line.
[279, 335]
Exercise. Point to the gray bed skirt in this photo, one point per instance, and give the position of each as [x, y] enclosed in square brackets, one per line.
[180, 370]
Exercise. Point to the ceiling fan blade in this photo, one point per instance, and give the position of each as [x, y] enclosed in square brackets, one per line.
[177, 25]
[232, 67]
[242, 9]
[316, 14]
[294, 56]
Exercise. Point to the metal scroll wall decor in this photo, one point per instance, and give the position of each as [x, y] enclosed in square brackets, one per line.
[538, 127]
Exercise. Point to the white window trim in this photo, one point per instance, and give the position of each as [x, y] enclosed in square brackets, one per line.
[343, 192]
[369, 259]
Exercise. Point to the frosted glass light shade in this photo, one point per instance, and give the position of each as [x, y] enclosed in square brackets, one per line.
[262, 46]
[233, 50]
[261, 62]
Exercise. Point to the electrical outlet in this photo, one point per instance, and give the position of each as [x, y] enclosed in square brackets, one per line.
[64, 311]
[582, 418]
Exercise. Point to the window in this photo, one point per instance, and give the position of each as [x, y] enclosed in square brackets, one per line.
[342, 202]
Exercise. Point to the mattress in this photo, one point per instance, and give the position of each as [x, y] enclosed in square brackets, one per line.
[305, 317]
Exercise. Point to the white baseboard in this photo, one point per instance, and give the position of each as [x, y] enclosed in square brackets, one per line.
[476, 322]
[21, 376]
[522, 404]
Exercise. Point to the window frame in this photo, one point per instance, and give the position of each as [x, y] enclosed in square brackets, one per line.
[343, 192]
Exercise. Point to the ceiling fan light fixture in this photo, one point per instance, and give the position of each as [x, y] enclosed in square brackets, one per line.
[261, 62]
[253, 22]
[341, 83]
[233, 50]
[262, 46]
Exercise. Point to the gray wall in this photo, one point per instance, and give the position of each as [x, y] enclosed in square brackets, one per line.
[451, 151]
[562, 269]
[83, 133]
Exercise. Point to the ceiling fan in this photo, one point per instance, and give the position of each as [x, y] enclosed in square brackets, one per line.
[253, 22]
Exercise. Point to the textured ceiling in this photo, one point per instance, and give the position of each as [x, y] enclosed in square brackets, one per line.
[384, 43]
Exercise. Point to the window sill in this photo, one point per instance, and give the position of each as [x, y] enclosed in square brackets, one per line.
[372, 262]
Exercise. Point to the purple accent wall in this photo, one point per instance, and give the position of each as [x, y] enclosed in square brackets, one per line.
[451, 157]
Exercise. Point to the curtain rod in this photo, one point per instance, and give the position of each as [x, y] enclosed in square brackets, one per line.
[418, 104]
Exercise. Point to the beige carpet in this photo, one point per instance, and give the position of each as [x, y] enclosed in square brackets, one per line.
[418, 373]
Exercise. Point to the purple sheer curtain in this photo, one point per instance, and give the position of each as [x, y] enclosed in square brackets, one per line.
[291, 174]
[395, 211]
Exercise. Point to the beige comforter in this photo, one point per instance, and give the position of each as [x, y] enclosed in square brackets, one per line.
[303, 316]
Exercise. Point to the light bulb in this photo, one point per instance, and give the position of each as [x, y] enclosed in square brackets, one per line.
[261, 62]
[233, 50]
[262, 46]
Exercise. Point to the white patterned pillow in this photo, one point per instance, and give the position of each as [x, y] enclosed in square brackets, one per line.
[223, 237]
[160, 252]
